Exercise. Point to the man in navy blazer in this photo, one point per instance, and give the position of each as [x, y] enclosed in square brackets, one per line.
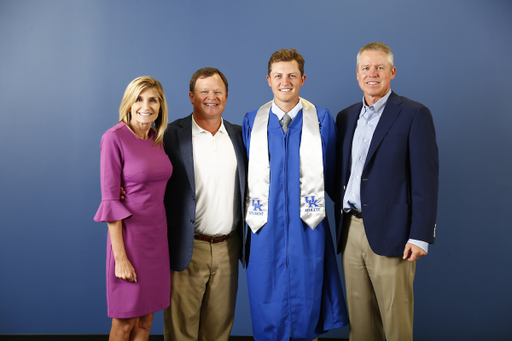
[387, 181]
[205, 209]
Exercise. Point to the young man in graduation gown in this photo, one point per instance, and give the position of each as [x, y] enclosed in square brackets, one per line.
[292, 275]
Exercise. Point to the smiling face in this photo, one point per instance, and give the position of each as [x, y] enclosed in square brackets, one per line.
[209, 98]
[374, 74]
[285, 80]
[146, 108]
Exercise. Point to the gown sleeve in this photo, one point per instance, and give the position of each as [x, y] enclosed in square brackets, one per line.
[329, 136]
[111, 166]
[246, 132]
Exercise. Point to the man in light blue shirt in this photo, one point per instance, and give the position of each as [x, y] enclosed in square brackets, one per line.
[386, 206]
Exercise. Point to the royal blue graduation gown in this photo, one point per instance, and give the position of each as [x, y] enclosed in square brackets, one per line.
[292, 275]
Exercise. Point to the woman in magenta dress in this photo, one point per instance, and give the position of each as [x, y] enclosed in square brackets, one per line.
[132, 157]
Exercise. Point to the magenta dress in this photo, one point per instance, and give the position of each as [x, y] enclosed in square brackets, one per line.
[143, 171]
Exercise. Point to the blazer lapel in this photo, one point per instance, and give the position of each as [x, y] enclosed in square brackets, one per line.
[239, 150]
[187, 151]
[391, 112]
[347, 143]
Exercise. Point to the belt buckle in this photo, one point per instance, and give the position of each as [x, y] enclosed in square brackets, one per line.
[356, 213]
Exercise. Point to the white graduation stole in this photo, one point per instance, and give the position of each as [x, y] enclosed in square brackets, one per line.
[312, 203]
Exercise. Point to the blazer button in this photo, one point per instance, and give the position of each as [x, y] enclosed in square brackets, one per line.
[192, 221]
[193, 198]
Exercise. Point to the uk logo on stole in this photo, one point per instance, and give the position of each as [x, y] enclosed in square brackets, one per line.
[257, 207]
[313, 204]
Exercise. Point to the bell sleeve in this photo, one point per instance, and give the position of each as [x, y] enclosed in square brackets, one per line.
[111, 167]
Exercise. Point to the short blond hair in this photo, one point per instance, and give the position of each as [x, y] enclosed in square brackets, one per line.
[376, 46]
[131, 94]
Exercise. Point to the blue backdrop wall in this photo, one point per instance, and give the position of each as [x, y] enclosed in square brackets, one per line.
[65, 64]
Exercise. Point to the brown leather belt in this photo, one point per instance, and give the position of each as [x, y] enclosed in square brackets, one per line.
[213, 240]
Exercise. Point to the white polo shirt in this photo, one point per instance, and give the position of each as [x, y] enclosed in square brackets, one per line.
[216, 177]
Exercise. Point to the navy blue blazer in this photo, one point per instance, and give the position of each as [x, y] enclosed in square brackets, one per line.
[180, 194]
[400, 180]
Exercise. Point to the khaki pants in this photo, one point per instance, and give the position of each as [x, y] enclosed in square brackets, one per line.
[203, 296]
[379, 289]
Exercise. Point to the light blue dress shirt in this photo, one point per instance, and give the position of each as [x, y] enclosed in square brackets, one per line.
[366, 125]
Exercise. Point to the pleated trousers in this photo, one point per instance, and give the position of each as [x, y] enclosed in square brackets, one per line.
[203, 296]
[379, 289]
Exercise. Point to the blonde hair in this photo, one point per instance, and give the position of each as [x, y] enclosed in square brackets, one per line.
[131, 94]
[377, 46]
